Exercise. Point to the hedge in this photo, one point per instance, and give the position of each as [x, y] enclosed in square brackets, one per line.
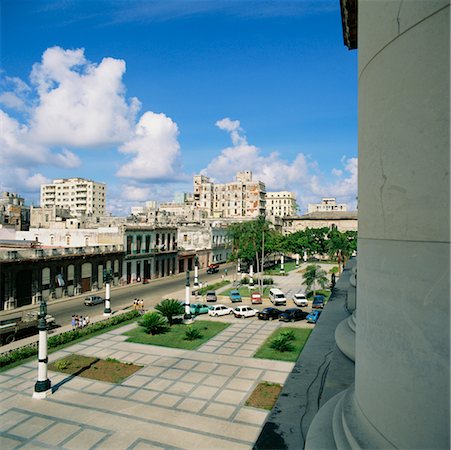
[54, 341]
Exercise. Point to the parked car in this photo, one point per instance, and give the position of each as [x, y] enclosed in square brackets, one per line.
[300, 299]
[269, 314]
[318, 301]
[93, 300]
[244, 311]
[235, 296]
[256, 298]
[211, 296]
[313, 316]
[212, 270]
[198, 308]
[219, 310]
[277, 296]
[292, 314]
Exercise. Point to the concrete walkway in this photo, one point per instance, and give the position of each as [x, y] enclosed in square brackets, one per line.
[179, 399]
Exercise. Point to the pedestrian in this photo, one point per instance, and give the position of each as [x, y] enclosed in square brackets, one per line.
[83, 324]
[76, 321]
[80, 322]
[135, 303]
[141, 305]
[73, 322]
[225, 272]
[87, 320]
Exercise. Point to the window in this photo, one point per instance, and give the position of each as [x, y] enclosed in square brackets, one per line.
[68, 239]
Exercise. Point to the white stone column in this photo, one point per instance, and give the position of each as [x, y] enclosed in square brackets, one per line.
[297, 259]
[401, 397]
[107, 310]
[42, 387]
[251, 276]
[282, 268]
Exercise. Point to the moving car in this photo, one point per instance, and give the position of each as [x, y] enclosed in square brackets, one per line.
[318, 301]
[212, 270]
[211, 296]
[292, 314]
[256, 298]
[219, 310]
[235, 296]
[300, 299]
[313, 316]
[269, 314]
[244, 311]
[198, 308]
[93, 300]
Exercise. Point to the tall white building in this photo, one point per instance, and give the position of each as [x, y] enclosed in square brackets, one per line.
[280, 204]
[78, 195]
[327, 204]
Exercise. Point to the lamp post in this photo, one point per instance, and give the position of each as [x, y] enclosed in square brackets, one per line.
[187, 317]
[107, 277]
[43, 386]
[305, 256]
[196, 274]
[251, 276]
[282, 269]
[297, 260]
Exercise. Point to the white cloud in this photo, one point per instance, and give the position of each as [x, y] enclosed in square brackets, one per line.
[12, 101]
[301, 175]
[80, 103]
[155, 149]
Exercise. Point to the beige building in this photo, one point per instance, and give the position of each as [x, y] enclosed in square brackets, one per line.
[280, 204]
[243, 198]
[327, 204]
[80, 196]
[344, 221]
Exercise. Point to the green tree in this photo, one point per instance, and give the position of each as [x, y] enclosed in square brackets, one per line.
[341, 245]
[314, 275]
[170, 308]
[153, 323]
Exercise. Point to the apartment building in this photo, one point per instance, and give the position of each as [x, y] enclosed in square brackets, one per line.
[240, 199]
[280, 204]
[13, 211]
[327, 204]
[78, 195]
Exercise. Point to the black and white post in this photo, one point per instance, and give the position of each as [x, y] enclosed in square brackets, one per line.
[43, 387]
[297, 260]
[196, 272]
[107, 309]
[251, 276]
[282, 268]
[187, 317]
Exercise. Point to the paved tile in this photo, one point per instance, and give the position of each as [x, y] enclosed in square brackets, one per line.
[215, 380]
[85, 439]
[204, 392]
[30, 427]
[136, 380]
[173, 374]
[195, 377]
[275, 377]
[151, 370]
[219, 410]
[225, 369]
[180, 388]
[205, 367]
[143, 395]
[58, 433]
[192, 404]
[7, 443]
[185, 364]
[240, 384]
[121, 391]
[251, 415]
[166, 400]
[249, 373]
[10, 418]
[158, 384]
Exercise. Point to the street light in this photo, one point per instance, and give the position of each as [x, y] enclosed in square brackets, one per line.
[43, 386]
[107, 276]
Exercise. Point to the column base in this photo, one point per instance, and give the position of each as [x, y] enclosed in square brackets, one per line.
[345, 337]
[42, 395]
[340, 424]
[42, 389]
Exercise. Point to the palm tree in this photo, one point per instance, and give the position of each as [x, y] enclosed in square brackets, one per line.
[170, 308]
[315, 275]
[153, 323]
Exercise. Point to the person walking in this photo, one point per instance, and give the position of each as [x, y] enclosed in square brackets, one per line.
[73, 322]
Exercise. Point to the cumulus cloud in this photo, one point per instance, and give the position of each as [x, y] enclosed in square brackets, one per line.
[154, 147]
[80, 103]
[301, 175]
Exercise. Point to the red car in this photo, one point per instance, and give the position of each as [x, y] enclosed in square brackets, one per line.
[256, 298]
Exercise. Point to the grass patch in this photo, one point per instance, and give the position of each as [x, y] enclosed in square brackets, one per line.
[264, 395]
[109, 370]
[288, 267]
[175, 337]
[213, 287]
[246, 292]
[301, 336]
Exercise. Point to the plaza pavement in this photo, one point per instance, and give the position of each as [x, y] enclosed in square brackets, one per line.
[179, 400]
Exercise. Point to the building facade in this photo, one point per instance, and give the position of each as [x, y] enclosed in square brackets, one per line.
[343, 221]
[280, 204]
[327, 205]
[78, 195]
[13, 211]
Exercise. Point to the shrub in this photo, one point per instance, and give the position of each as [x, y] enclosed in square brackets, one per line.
[268, 281]
[153, 323]
[244, 280]
[282, 344]
[170, 308]
[192, 333]
[288, 334]
[62, 364]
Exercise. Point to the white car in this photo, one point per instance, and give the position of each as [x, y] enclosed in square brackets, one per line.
[219, 310]
[300, 299]
[245, 311]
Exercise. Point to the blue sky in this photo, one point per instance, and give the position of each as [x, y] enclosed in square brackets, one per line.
[141, 95]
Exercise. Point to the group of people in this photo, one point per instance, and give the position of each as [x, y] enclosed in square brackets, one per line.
[138, 305]
[79, 321]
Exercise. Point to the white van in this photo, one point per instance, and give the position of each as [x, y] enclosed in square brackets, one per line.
[277, 297]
